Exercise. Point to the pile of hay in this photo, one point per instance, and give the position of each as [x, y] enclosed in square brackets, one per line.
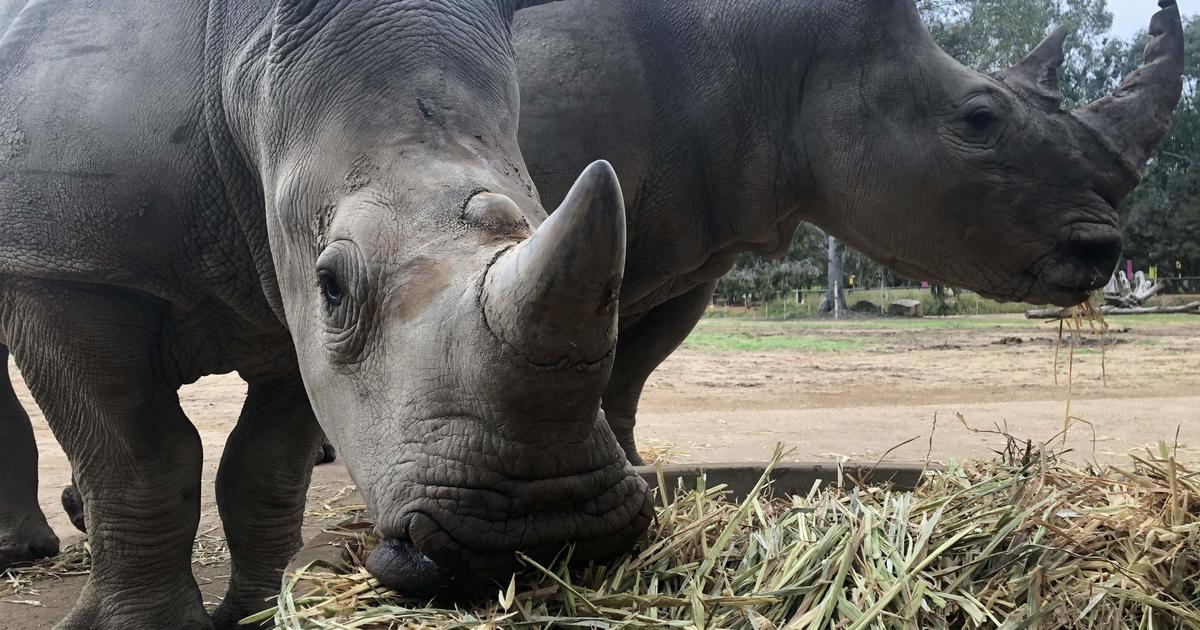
[1029, 541]
[73, 560]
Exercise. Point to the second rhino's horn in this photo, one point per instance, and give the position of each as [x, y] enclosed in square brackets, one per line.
[553, 298]
[1135, 118]
[1037, 74]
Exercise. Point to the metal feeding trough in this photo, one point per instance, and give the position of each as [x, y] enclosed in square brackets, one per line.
[788, 478]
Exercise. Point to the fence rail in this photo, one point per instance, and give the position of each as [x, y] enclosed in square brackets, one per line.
[806, 302]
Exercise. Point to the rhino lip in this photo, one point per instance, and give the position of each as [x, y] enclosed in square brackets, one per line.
[1067, 296]
[449, 522]
[398, 564]
[419, 557]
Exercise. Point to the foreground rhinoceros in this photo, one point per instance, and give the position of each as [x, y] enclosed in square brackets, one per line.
[732, 122]
[327, 197]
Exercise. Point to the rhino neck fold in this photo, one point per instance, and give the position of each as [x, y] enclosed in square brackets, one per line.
[236, 40]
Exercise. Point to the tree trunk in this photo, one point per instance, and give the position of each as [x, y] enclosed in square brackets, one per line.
[835, 295]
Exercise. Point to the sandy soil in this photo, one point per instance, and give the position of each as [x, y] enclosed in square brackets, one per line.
[859, 391]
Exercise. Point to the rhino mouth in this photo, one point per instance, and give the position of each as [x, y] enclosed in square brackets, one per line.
[431, 560]
[445, 531]
[1081, 263]
[398, 564]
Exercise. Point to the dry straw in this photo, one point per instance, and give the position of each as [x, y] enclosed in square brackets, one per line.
[16, 581]
[1027, 541]
[1071, 322]
[209, 550]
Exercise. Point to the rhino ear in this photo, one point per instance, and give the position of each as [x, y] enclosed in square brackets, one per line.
[1037, 74]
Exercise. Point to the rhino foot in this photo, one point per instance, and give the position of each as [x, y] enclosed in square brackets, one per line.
[94, 611]
[72, 503]
[622, 428]
[29, 539]
[631, 453]
[326, 453]
[227, 616]
[629, 445]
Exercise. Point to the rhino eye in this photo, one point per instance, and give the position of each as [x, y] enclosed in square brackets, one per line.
[978, 124]
[342, 272]
[339, 274]
[981, 118]
[331, 289]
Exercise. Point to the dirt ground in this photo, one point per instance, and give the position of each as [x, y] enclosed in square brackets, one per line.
[861, 390]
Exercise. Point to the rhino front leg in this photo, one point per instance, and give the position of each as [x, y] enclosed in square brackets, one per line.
[72, 502]
[640, 350]
[261, 487]
[94, 359]
[24, 533]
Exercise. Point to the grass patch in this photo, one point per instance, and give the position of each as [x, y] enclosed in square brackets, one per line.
[881, 323]
[1153, 319]
[786, 307]
[744, 342]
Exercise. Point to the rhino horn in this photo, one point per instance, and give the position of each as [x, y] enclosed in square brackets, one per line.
[553, 297]
[1037, 74]
[1135, 118]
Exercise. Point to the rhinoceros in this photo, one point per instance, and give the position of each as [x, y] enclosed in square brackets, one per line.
[732, 122]
[326, 197]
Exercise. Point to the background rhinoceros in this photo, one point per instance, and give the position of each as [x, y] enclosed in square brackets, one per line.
[326, 197]
[732, 122]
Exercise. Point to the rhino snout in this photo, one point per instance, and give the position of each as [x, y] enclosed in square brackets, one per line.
[461, 538]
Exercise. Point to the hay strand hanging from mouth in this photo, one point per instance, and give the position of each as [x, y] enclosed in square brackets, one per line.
[1013, 543]
[1072, 320]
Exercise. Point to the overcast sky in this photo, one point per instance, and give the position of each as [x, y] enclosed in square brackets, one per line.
[1130, 16]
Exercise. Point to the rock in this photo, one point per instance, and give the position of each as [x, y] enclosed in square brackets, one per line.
[905, 308]
[866, 307]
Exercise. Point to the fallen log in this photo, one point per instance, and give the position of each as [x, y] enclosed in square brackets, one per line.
[1192, 308]
[1146, 292]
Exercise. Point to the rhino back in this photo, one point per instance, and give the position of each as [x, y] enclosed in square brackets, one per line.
[107, 170]
[574, 109]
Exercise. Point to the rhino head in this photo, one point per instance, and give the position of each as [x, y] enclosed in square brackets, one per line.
[985, 181]
[453, 340]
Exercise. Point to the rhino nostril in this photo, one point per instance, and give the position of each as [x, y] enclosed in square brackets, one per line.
[1096, 251]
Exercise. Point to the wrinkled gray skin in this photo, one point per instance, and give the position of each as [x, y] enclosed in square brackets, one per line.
[327, 197]
[732, 122]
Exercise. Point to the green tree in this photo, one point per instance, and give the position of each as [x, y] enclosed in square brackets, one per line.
[991, 35]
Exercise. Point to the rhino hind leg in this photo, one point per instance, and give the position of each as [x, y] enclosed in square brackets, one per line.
[261, 489]
[72, 503]
[98, 372]
[640, 350]
[24, 533]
